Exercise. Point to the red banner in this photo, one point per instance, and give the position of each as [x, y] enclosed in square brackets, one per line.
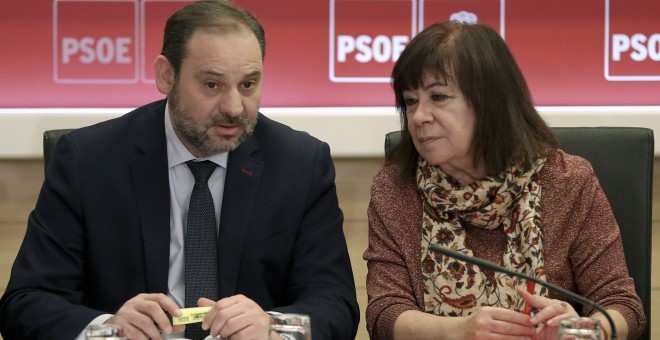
[328, 53]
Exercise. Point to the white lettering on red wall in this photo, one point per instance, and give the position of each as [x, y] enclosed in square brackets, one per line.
[367, 37]
[108, 41]
[632, 40]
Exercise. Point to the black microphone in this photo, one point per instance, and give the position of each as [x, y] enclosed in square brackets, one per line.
[497, 268]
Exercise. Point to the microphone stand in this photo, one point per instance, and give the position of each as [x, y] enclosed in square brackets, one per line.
[497, 268]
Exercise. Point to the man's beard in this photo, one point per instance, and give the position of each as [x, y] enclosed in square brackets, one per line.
[196, 134]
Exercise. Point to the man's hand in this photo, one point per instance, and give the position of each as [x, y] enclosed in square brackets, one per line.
[236, 317]
[143, 317]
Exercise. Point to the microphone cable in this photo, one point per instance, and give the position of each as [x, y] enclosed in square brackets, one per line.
[497, 268]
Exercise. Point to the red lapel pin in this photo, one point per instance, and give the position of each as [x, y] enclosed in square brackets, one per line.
[246, 171]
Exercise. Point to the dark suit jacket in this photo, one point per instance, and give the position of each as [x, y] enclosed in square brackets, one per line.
[100, 232]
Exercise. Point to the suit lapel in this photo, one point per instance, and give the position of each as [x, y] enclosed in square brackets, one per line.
[244, 172]
[149, 173]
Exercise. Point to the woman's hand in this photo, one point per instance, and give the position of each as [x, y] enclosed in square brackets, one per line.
[550, 312]
[486, 323]
[498, 323]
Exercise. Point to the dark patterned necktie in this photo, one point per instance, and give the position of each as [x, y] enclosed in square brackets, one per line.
[200, 245]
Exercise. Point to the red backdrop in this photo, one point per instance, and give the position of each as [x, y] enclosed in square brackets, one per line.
[90, 53]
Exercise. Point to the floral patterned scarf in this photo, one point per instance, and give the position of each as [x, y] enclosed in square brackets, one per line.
[510, 201]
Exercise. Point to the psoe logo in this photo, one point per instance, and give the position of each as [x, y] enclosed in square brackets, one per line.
[632, 40]
[368, 36]
[108, 41]
[94, 41]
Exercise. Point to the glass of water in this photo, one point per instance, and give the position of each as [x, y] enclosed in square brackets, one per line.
[579, 329]
[291, 326]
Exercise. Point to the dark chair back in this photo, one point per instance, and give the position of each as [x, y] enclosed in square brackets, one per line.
[50, 140]
[622, 158]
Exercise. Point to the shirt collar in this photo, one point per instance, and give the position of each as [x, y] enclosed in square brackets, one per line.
[177, 153]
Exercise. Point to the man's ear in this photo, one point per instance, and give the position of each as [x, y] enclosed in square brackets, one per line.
[164, 74]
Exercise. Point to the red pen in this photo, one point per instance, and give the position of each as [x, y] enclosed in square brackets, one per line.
[530, 289]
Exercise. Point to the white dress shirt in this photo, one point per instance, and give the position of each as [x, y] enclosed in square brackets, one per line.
[181, 185]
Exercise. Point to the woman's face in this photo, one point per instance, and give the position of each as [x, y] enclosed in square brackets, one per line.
[441, 124]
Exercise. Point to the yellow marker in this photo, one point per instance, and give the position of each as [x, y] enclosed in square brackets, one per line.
[189, 315]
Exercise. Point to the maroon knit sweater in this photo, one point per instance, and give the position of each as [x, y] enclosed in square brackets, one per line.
[581, 245]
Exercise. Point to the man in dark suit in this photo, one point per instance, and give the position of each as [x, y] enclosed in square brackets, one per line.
[106, 240]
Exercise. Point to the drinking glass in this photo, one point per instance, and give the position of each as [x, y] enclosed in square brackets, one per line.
[291, 326]
[579, 329]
